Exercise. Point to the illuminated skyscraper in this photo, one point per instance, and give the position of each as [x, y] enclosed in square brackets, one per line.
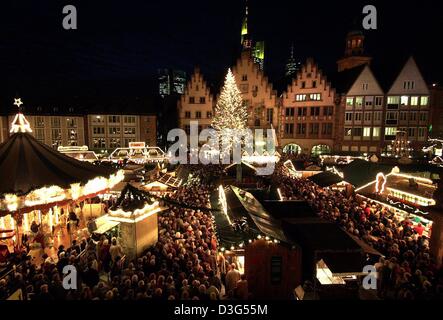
[293, 65]
[257, 48]
[258, 53]
[171, 81]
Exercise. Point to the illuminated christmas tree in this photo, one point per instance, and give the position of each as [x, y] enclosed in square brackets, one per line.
[230, 117]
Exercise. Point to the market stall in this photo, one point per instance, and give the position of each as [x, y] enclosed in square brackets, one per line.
[41, 186]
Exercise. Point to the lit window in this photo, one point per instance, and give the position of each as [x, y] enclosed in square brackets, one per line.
[315, 96]
[376, 132]
[300, 97]
[404, 100]
[349, 102]
[424, 101]
[359, 102]
[390, 131]
[366, 132]
[414, 101]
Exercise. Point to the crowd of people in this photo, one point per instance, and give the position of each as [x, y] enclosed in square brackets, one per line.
[407, 270]
[182, 265]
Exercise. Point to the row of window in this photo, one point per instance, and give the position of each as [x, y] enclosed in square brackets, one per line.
[114, 119]
[114, 130]
[395, 101]
[368, 101]
[390, 116]
[313, 128]
[389, 132]
[198, 114]
[201, 100]
[412, 132]
[407, 85]
[314, 111]
[99, 143]
[308, 97]
[56, 122]
[392, 101]
[56, 134]
[367, 132]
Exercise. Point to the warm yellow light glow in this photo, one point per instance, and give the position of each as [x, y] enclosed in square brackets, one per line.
[369, 183]
[11, 201]
[11, 222]
[223, 202]
[56, 213]
[380, 188]
[148, 209]
[54, 194]
[279, 194]
[424, 180]
[25, 222]
[50, 216]
[20, 124]
[421, 200]
[45, 195]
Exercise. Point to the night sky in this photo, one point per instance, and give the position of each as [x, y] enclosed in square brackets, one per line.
[119, 45]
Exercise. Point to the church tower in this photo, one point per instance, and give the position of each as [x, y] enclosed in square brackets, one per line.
[354, 52]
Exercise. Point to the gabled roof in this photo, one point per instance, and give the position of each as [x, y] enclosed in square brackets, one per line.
[410, 71]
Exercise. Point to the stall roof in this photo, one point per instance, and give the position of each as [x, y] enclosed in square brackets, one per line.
[294, 209]
[402, 183]
[261, 218]
[27, 164]
[360, 172]
[326, 179]
[247, 169]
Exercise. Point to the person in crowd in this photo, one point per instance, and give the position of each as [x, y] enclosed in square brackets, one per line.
[242, 291]
[115, 250]
[232, 277]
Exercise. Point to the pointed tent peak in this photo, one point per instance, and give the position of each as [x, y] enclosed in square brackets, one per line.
[20, 123]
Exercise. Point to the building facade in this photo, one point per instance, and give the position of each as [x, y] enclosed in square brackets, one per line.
[361, 114]
[196, 104]
[407, 108]
[56, 130]
[308, 112]
[97, 131]
[257, 92]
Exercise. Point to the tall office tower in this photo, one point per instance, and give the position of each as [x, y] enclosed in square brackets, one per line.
[292, 66]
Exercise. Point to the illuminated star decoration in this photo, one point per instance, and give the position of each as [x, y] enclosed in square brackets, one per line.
[18, 102]
[20, 124]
